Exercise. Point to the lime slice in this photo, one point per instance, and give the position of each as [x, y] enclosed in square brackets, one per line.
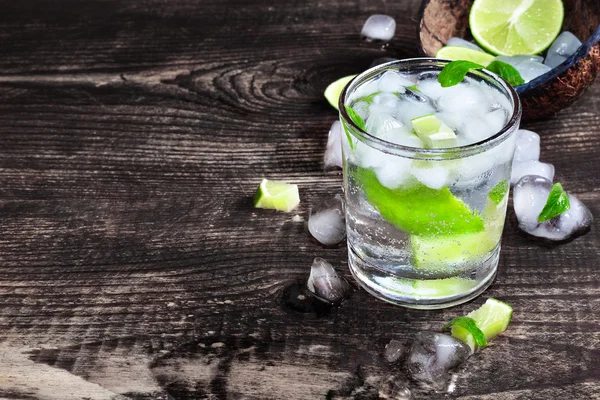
[456, 53]
[277, 196]
[492, 318]
[512, 27]
[433, 288]
[417, 209]
[334, 90]
[433, 132]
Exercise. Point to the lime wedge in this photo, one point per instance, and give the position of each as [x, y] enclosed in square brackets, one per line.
[417, 209]
[334, 90]
[492, 318]
[456, 53]
[512, 27]
[433, 288]
[277, 196]
[433, 132]
[447, 252]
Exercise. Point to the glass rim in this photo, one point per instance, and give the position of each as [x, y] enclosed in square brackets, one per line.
[386, 146]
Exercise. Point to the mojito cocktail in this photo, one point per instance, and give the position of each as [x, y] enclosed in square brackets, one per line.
[426, 180]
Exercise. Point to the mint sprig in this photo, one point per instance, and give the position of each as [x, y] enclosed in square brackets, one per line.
[557, 203]
[470, 325]
[358, 121]
[455, 72]
[498, 192]
[506, 71]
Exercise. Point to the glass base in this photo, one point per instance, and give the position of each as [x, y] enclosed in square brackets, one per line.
[425, 294]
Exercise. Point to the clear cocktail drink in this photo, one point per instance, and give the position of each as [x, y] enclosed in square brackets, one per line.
[426, 178]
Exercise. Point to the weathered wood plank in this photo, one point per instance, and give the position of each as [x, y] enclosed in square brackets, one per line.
[132, 138]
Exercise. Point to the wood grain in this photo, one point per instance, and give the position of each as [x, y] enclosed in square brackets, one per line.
[133, 266]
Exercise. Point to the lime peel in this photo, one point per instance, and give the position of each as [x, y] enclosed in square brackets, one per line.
[470, 325]
[334, 90]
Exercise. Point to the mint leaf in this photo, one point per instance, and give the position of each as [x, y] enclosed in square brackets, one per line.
[506, 71]
[454, 72]
[470, 325]
[368, 99]
[498, 192]
[357, 119]
[414, 88]
[557, 203]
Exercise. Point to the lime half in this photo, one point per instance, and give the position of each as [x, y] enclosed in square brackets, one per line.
[333, 91]
[511, 27]
[455, 53]
[277, 196]
[492, 318]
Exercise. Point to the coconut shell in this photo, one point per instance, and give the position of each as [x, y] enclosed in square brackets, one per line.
[439, 20]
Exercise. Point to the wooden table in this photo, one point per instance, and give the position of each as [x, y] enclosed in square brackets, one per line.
[133, 265]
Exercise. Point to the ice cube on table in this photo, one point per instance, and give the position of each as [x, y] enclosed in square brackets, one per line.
[527, 147]
[325, 283]
[333, 152]
[327, 222]
[433, 355]
[392, 81]
[394, 388]
[456, 41]
[523, 168]
[379, 27]
[393, 351]
[563, 47]
[529, 198]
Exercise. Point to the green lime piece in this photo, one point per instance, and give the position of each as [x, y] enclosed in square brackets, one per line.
[557, 203]
[455, 53]
[455, 71]
[277, 196]
[498, 192]
[334, 90]
[447, 252]
[507, 72]
[469, 325]
[433, 132]
[492, 318]
[512, 27]
[433, 288]
[417, 209]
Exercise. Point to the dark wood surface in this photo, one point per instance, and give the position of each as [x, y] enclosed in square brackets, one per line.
[133, 135]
